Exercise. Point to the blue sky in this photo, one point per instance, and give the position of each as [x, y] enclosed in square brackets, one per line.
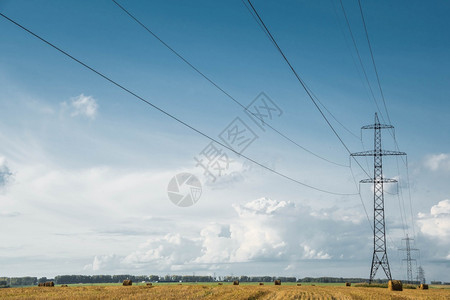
[90, 164]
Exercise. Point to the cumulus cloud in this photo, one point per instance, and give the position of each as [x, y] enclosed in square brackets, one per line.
[437, 222]
[169, 250]
[262, 230]
[437, 162]
[262, 206]
[251, 236]
[163, 253]
[82, 106]
[310, 253]
[104, 262]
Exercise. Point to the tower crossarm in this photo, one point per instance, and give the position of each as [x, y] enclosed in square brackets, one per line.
[382, 180]
[378, 153]
[377, 126]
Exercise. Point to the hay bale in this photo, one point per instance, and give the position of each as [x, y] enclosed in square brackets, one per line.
[41, 284]
[299, 284]
[63, 285]
[313, 285]
[49, 283]
[348, 284]
[236, 282]
[127, 282]
[220, 283]
[395, 285]
[149, 283]
[423, 286]
[277, 282]
[261, 283]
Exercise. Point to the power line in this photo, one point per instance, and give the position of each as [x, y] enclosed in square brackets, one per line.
[303, 84]
[400, 194]
[387, 112]
[360, 196]
[256, 19]
[332, 115]
[373, 61]
[338, 21]
[167, 113]
[315, 97]
[359, 58]
[409, 196]
[218, 87]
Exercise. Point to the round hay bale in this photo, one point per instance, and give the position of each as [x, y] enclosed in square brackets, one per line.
[277, 282]
[348, 284]
[149, 283]
[261, 283]
[127, 282]
[49, 283]
[313, 285]
[41, 284]
[63, 285]
[236, 282]
[395, 285]
[423, 286]
[299, 284]
[220, 283]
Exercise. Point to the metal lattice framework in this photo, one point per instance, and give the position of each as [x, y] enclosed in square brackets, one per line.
[408, 259]
[379, 229]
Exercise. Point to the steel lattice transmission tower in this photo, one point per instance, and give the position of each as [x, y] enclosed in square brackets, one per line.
[379, 229]
[408, 259]
[421, 275]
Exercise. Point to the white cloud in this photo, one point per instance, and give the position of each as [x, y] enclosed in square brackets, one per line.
[103, 262]
[250, 236]
[309, 253]
[166, 251]
[437, 222]
[82, 106]
[262, 230]
[262, 206]
[436, 162]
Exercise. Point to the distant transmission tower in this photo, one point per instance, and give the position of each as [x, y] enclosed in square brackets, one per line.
[408, 258]
[421, 275]
[379, 229]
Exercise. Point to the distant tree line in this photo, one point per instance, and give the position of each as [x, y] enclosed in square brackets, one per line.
[4, 284]
[70, 279]
[185, 278]
[440, 282]
[18, 281]
[258, 279]
[67, 279]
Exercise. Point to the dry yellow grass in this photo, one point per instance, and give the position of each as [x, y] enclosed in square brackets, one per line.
[218, 292]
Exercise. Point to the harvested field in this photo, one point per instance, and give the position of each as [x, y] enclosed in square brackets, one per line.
[219, 292]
